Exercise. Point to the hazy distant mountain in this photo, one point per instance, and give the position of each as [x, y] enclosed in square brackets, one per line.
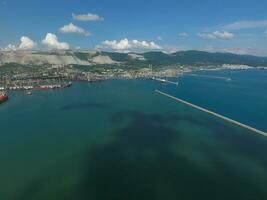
[157, 59]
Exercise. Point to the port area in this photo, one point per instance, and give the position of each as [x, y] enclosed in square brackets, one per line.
[214, 114]
[35, 85]
[53, 77]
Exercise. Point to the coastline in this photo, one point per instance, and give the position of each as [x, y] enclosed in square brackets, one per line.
[62, 82]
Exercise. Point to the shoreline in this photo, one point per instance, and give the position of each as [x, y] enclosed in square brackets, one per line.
[60, 84]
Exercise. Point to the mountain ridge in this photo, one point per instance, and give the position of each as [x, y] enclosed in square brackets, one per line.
[156, 58]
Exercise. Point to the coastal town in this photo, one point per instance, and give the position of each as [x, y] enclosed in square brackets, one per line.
[34, 70]
[55, 77]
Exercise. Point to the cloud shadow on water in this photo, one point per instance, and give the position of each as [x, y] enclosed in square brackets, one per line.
[140, 164]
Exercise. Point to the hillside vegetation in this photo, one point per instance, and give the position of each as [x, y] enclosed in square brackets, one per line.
[128, 60]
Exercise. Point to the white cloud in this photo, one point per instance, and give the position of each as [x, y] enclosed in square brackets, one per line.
[183, 35]
[247, 24]
[25, 44]
[235, 50]
[10, 47]
[87, 17]
[51, 41]
[126, 45]
[217, 35]
[71, 28]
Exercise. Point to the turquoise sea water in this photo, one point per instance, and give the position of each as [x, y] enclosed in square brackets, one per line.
[120, 140]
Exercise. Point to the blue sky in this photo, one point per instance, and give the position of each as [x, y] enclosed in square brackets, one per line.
[121, 25]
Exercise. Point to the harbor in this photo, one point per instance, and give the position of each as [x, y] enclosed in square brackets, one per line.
[44, 86]
[29, 88]
[117, 124]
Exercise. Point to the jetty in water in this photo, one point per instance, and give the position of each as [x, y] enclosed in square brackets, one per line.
[214, 114]
[162, 80]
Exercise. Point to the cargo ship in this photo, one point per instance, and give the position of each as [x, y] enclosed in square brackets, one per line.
[3, 97]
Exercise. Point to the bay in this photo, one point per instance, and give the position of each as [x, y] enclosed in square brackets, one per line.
[118, 139]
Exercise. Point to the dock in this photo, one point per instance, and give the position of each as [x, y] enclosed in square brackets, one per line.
[214, 114]
[211, 77]
[165, 81]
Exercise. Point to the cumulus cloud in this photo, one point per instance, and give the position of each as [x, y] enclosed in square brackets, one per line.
[71, 28]
[87, 17]
[10, 47]
[126, 45]
[247, 24]
[51, 41]
[25, 44]
[217, 35]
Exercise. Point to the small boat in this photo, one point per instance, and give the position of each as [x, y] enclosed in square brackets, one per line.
[29, 93]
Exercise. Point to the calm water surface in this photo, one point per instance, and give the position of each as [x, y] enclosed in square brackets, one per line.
[120, 140]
